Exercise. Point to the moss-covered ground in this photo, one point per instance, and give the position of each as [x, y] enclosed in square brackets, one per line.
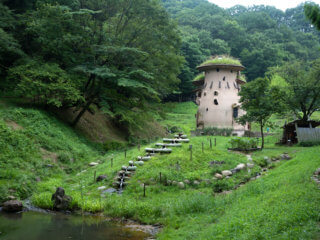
[282, 204]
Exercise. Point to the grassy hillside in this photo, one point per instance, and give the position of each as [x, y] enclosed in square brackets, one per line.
[35, 146]
[282, 204]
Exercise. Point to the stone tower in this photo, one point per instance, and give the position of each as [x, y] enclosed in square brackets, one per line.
[217, 94]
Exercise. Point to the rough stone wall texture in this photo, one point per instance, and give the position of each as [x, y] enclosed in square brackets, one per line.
[210, 114]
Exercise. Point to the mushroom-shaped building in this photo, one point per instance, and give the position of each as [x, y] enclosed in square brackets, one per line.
[217, 94]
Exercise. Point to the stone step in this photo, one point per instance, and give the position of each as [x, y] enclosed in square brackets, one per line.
[158, 150]
[168, 144]
[180, 136]
[175, 140]
[146, 158]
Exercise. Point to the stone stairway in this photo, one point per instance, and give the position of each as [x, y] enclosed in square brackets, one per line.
[123, 176]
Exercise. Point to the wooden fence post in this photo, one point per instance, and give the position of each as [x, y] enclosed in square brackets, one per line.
[210, 143]
[190, 148]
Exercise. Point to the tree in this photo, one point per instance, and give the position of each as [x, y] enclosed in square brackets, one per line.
[303, 87]
[259, 100]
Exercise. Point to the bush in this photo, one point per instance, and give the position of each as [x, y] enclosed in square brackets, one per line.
[243, 143]
[213, 131]
[309, 143]
[221, 185]
[114, 145]
[64, 157]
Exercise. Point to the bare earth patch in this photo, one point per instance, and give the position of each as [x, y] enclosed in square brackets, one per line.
[15, 126]
[49, 155]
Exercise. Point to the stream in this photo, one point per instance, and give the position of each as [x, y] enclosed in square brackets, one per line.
[55, 226]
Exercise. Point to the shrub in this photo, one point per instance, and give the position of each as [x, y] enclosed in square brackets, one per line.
[243, 143]
[221, 185]
[114, 145]
[309, 143]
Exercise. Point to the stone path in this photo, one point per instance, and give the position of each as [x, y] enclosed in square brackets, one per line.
[126, 172]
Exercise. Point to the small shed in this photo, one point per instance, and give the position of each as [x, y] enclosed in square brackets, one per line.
[300, 131]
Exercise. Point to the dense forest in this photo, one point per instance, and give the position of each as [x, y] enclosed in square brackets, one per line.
[122, 56]
[260, 36]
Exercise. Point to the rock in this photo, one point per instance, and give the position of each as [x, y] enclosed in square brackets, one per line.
[92, 164]
[216, 162]
[124, 168]
[61, 201]
[11, 197]
[218, 176]
[101, 178]
[12, 206]
[169, 182]
[226, 173]
[102, 188]
[130, 163]
[186, 181]
[133, 168]
[195, 182]
[250, 165]
[267, 159]
[139, 163]
[174, 183]
[285, 156]
[235, 170]
[181, 185]
[317, 172]
[110, 190]
[240, 166]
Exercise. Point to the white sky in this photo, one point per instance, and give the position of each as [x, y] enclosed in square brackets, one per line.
[280, 4]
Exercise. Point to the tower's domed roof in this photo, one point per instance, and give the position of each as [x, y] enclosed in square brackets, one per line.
[221, 62]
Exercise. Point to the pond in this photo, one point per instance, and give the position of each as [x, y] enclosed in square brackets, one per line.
[55, 226]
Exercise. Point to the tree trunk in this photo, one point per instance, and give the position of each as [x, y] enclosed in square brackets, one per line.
[80, 114]
[262, 136]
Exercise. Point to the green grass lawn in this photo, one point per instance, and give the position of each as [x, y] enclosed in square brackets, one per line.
[282, 204]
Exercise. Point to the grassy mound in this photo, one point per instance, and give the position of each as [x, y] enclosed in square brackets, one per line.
[222, 60]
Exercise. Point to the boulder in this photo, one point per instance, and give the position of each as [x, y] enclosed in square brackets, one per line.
[285, 156]
[101, 178]
[92, 164]
[218, 176]
[61, 201]
[12, 206]
[102, 188]
[250, 165]
[181, 185]
[240, 166]
[226, 173]
[186, 181]
[174, 183]
[195, 182]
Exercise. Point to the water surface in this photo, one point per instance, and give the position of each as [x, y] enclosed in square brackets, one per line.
[48, 226]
